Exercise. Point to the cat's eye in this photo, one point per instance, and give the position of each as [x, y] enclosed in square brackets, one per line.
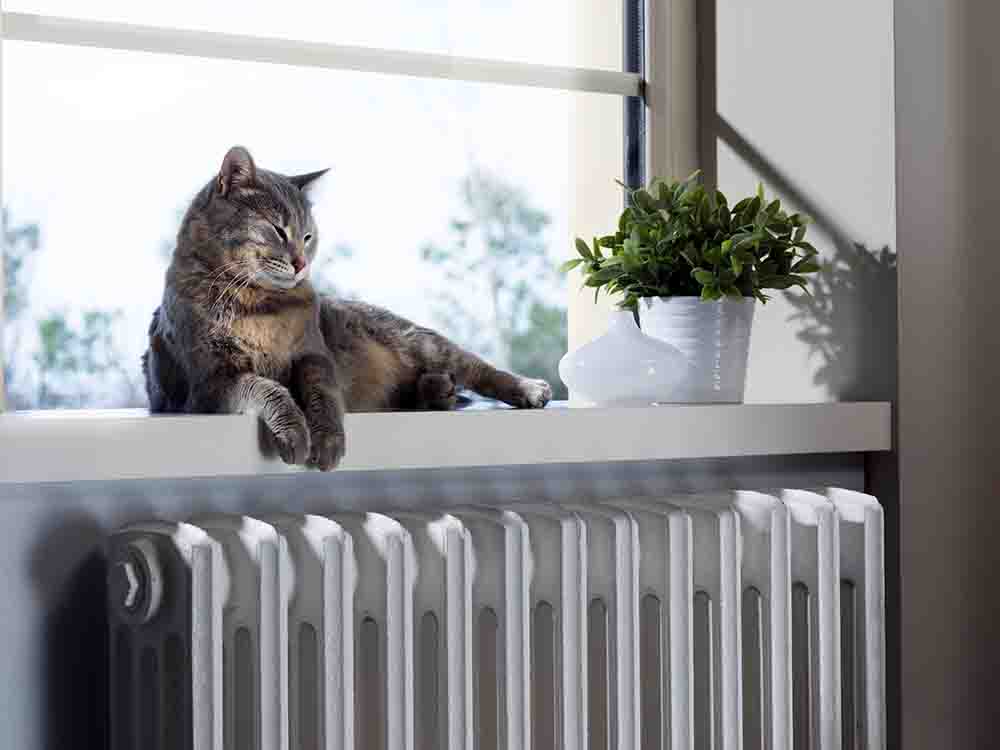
[307, 238]
[281, 233]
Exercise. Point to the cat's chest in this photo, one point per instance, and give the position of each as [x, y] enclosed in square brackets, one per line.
[270, 343]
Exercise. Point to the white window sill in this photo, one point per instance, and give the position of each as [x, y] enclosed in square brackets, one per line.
[63, 446]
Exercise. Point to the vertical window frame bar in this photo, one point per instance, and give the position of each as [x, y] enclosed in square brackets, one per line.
[635, 123]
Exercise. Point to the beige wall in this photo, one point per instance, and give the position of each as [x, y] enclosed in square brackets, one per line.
[804, 105]
[948, 150]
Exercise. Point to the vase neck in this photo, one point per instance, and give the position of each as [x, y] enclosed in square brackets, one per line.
[622, 319]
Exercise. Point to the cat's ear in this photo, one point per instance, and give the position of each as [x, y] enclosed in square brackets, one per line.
[238, 170]
[304, 181]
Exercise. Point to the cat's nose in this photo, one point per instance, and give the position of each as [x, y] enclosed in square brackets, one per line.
[298, 262]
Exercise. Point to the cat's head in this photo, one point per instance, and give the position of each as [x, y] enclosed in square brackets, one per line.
[252, 225]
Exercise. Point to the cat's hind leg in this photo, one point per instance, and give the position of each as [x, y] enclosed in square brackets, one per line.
[516, 390]
[436, 391]
[446, 366]
[480, 376]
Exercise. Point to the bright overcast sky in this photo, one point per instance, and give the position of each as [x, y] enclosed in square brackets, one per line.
[105, 148]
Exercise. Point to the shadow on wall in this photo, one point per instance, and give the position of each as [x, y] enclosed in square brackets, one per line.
[68, 569]
[849, 322]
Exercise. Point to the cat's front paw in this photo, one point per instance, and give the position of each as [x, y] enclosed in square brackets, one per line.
[292, 440]
[327, 449]
[532, 394]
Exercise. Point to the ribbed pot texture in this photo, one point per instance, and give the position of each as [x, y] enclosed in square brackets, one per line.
[714, 337]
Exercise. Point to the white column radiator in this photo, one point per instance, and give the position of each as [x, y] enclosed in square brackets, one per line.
[739, 620]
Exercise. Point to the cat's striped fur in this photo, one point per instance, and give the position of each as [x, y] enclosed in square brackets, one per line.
[241, 329]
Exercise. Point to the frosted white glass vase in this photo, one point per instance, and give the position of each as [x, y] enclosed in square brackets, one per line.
[714, 337]
[624, 367]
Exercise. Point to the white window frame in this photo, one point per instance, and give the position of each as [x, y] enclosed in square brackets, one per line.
[670, 94]
[668, 86]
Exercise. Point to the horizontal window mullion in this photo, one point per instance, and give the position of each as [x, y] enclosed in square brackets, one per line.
[209, 44]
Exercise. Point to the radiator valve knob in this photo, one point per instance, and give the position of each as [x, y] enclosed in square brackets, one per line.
[137, 581]
[132, 584]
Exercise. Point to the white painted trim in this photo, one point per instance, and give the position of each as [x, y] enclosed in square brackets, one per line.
[210, 44]
[671, 88]
[130, 444]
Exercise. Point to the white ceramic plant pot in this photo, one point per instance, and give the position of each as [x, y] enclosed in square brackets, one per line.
[714, 337]
[624, 367]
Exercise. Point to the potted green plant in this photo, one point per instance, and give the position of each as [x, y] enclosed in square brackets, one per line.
[693, 268]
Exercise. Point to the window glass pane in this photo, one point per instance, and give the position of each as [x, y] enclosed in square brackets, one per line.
[586, 33]
[103, 150]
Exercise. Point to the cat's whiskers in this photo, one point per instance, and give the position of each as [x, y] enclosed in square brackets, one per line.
[226, 266]
[223, 269]
[224, 303]
[224, 307]
[237, 277]
[220, 307]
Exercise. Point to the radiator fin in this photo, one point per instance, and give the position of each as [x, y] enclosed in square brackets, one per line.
[815, 569]
[558, 546]
[862, 568]
[613, 590]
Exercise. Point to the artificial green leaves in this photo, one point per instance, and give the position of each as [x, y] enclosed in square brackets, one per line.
[682, 239]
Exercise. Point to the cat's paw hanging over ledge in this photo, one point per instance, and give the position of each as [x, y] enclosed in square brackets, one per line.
[327, 448]
[293, 443]
[297, 445]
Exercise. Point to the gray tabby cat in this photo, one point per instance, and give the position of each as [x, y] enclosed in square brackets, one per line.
[240, 328]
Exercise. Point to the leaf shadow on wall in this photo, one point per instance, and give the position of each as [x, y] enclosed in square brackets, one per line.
[850, 321]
